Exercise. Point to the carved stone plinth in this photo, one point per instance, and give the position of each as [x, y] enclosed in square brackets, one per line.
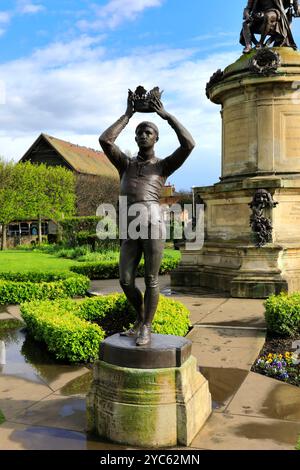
[260, 150]
[148, 407]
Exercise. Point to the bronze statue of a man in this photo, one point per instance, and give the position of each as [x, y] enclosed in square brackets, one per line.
[142, 179]
[269, 18]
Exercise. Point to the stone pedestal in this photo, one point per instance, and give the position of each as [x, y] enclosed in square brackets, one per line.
[260, 150]
[144, 406]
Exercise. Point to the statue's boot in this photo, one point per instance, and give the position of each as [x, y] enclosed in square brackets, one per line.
[247, 49]
[144, 336]
[134, 330]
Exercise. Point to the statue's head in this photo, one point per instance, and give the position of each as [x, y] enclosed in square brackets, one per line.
[262, 197]
[146, 134]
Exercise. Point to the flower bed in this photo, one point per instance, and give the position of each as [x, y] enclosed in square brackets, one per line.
[73, 330]
[16, 288]
[280, 358]
[284, 367]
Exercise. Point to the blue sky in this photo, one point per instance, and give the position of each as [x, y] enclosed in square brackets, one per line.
[66, 66]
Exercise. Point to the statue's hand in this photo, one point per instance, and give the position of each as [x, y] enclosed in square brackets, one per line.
[158, 107]
[130, 104]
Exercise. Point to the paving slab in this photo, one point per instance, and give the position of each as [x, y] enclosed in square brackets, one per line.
[107, 286]
[199, 307]
[230, 348]
[22, 437]
[15, 311]
[79, 386]
[56, 411]
[262, 396]
[6, 316]
[238, 312]
[58, 376]
[224, 383]
[240, 358]
[17, 394]
[227, 337]
[232, 432]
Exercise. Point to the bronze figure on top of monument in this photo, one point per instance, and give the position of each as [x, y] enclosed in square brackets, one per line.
[142, 179]
[271, 19]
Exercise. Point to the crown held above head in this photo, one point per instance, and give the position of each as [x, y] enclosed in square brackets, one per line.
[142, 99]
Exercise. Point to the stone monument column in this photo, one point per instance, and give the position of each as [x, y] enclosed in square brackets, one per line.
[252, 215]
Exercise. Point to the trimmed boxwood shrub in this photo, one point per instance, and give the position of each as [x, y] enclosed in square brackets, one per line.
[73, 330]
[110, 269]
[283, 313]
[16, 288]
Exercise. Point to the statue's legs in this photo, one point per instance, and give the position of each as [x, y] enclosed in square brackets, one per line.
[247, 36]
[153, 253]
[130, 256]
[269, 26]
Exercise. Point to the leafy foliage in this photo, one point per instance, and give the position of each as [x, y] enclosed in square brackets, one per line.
[283, 313]
[35, 191]
[16, 288]
[10, 324]
[73, 330]
[78, 231]
[110, 269]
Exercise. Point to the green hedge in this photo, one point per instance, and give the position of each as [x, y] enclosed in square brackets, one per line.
[283, 313]
[73, 330]
[72, 226]
[110, 269]
[16, 288]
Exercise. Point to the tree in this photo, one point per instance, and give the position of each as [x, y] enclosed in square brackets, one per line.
[31, 191]
[10, 208]
[91, 191]
[184, 197]
[52, 194]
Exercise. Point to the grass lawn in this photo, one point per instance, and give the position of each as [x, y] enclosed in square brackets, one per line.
[22, 261]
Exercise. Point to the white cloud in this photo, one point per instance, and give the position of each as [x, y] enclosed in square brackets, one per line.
[25, 7]
[5, 17]
[22, 7]
[116, 11]
[74, 91]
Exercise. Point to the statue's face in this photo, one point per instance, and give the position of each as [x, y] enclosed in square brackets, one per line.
[146, 137]
[261, 198]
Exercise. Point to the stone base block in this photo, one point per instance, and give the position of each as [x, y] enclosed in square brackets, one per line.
[148, 407]
[242, 271]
